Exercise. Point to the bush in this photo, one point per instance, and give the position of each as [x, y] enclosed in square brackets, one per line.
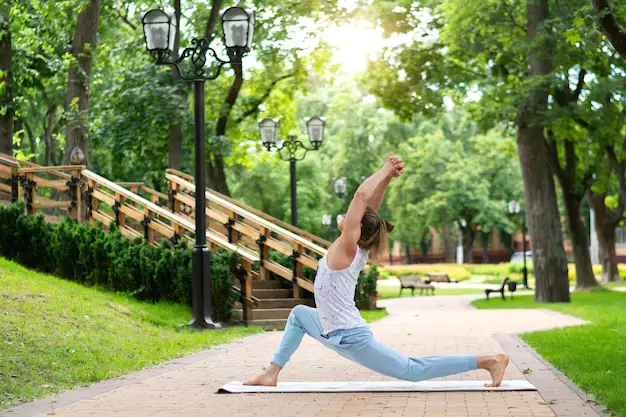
[366, 287]
[458, 272]
[518, 267]
[88, 255]
[495, 270]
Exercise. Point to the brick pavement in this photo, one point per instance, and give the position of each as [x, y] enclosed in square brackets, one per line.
[417, 326]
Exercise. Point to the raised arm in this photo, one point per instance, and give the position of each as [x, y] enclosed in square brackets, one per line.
[369, 194]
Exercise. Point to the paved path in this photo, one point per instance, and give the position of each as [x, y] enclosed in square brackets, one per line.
[418, 326]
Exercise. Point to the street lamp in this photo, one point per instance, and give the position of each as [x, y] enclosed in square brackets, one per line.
[515, 208]
[327, 220]
[459, 247]
[268, 129]
[340, 185]
[159, 30]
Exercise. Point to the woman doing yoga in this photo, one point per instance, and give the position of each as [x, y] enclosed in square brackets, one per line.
[336, 322]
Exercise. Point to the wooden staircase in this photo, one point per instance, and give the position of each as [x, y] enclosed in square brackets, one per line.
[275, 304]
[140, 211]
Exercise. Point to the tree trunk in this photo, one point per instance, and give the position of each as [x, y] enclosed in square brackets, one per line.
[468, 245]
[549, 259]
[407, 248]
[449, 244]
[31, 140]
[605, 227]
[18, 132]
[176, 129]
[77, 105]
[485, 238]
[215, 168]
[50, 143]
[6, 79]
[580, 242]
[607, 20]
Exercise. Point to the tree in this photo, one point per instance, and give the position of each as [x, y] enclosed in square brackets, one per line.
[6, 79]
[456, 175]
[497, 58]
[280, 62]
[176, 129]
[77, 104]
[607, 19]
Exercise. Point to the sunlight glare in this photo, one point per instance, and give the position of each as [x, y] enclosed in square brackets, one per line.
[353, 44]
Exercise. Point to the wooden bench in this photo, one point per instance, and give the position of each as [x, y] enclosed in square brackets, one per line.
[506, 283]
[414, 282]
[439, 277]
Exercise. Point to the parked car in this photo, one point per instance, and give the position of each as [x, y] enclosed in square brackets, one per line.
[518, 257]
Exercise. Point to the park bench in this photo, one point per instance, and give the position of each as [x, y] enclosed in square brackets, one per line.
[506, 283]
[414, 282]
[439, 277]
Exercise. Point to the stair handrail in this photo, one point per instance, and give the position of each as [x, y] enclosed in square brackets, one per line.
[285, 225]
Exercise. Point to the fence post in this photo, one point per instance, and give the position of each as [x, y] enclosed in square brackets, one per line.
[30, 190]
[264, 254]
[297, 270]
[148, 232]
[15, 184]
[93, 204]
[75, 195]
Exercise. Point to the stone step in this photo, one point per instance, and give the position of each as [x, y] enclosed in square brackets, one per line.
[272, 293]
[263, 314]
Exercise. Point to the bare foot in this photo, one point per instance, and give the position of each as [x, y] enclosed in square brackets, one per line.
[496, 370]
[268, 378]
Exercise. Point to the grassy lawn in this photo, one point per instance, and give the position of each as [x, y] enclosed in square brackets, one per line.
[393, 291]
[57, 335]
[593, 356]
[371, 316]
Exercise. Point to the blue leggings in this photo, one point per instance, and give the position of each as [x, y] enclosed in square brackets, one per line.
[358, 345]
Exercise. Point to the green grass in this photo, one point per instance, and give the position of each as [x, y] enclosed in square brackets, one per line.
[57, 335]
[593, 356]
[371, 316]
[393, 291]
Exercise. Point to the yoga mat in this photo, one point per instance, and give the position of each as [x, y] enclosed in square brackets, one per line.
[236, 387]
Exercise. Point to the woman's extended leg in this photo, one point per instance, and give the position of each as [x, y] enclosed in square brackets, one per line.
[302, 319]
[362, 348]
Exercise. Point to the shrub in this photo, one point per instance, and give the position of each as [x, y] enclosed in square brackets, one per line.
[366, 287]
[89, 255]
[458, 272]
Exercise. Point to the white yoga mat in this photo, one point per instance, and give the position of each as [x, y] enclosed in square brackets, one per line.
[237, 387]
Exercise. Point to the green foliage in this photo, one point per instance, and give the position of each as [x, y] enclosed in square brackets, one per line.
[365, 288]
[58, 335]
[89, 255]
[593, 355]
[455, 173]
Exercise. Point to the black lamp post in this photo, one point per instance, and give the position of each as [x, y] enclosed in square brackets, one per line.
[159, 30]
[515, 208]
[269, 138]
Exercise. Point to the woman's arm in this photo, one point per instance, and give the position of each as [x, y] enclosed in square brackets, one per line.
[375, 189]
[368, 194]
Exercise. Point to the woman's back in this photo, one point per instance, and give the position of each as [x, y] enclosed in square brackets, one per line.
[334, 294]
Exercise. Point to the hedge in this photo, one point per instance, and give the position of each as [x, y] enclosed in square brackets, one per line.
[466, 271]
[91, 256]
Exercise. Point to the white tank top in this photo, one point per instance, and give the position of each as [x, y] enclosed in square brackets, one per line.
[334, 294]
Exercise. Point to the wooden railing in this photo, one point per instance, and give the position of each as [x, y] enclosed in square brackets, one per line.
[242, 226]
[140, 211]
[310, 236]
[86, 196]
